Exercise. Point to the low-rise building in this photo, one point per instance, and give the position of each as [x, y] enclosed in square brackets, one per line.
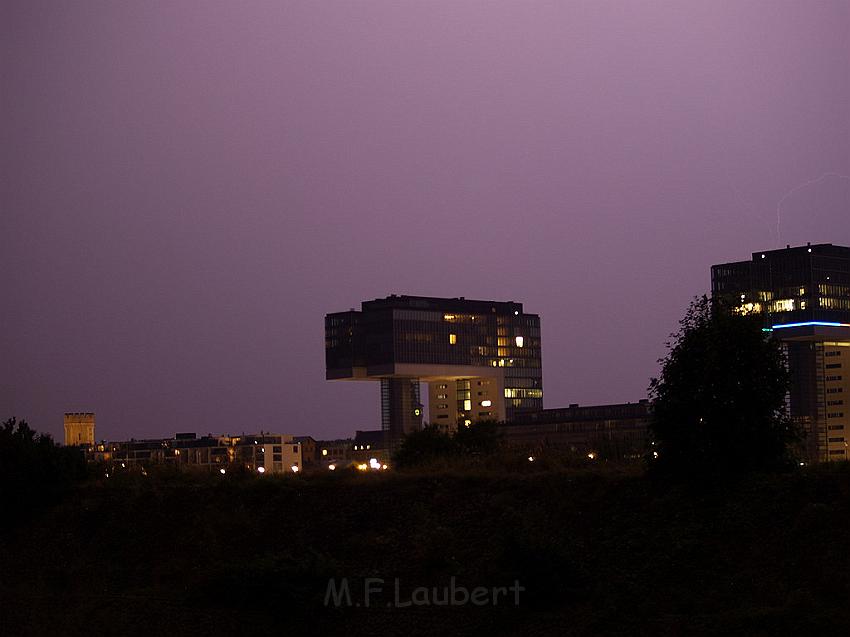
[337, 451]
[371, 445]
[263, 452]
[614, 432]
[309, 451]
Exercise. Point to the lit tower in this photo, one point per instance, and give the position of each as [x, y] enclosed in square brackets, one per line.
[79, 429]
[803, 293]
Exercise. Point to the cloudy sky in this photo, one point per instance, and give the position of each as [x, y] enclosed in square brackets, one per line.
[186, 188]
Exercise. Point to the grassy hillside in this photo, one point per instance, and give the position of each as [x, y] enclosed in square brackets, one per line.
[598, 553]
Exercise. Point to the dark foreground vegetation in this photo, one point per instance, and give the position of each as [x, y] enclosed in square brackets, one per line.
[598, 551]
[35, 472]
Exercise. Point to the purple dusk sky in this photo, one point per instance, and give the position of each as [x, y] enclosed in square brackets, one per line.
[188, 187]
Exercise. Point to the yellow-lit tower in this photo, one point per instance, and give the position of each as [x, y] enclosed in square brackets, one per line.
[79, 429]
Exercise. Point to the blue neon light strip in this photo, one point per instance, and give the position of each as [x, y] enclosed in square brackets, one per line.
[818, 323]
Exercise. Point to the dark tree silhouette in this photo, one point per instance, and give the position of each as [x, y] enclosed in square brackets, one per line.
[423, 446]
[719, 403]
[480, 437]
[33, 469]
[431, 443]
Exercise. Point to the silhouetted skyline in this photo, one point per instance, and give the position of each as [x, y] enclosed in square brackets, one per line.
[188, 188]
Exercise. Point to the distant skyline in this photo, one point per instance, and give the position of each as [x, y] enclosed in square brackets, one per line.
[188, 187]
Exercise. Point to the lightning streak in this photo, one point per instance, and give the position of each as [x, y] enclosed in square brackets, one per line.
[811, 182]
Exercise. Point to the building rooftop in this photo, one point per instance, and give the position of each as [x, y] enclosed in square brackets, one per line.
[573, 413]
[458, 304]
[375, 439]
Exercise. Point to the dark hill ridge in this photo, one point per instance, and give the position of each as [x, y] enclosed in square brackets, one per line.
[596, 553]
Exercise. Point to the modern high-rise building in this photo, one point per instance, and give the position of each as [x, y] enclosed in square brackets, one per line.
[480, 359]
[804, 295]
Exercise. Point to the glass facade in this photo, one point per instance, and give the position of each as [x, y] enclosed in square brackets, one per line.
[401, 409]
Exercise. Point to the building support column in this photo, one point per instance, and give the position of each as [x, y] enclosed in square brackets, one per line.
[401, 408]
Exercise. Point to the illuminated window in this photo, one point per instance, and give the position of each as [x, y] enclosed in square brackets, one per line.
[324, 452]
[523, 393]
[467, 405]
[783, 305]
[519, 341]
[747, 308]
[486, 403]
[452, 339]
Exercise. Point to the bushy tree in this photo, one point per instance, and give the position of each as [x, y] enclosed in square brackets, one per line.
[33, 469]
[719, 403]
[431, 443]
[481, 437]
[423, 446]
